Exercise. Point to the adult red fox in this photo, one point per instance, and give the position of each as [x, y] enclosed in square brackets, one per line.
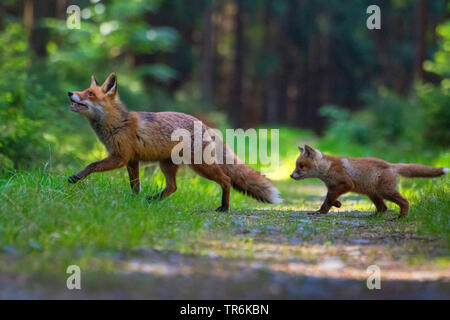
[130, 137]
[372, 177]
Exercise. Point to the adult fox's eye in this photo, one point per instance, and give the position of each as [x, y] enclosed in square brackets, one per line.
[91, 94]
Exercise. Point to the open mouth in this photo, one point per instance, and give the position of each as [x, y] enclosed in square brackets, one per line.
[77, 107]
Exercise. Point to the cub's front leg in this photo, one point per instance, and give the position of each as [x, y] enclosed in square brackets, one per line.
[109, 163]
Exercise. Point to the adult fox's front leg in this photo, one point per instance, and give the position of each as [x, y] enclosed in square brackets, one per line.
[109, 163]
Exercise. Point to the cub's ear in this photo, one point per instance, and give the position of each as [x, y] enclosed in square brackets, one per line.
[110, 85]
[94, 82]
[301, 150]
[309, 152]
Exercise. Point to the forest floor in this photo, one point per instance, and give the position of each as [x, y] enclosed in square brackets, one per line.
[248, 253]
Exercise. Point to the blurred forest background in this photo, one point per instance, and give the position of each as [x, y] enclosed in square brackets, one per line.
[310, 65]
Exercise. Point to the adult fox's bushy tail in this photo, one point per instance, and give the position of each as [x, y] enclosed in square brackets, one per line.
[415, 170]
[248, 181]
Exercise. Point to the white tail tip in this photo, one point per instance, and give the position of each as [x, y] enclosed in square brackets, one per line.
[445, 170]
[275, 196]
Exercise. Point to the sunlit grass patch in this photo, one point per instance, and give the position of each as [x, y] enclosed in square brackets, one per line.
[431, 208]
[46, 223]
[43, 212]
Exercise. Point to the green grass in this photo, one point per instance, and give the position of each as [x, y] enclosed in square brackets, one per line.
[41, 213]
[432, 207]
[47, 223]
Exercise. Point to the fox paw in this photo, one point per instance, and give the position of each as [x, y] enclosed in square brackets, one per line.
[222, 209]
[316, 213]
[400, 217]
[154, 197]
[73, 179]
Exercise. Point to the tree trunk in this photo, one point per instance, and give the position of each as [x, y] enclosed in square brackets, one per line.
[421, 27]
[34, 11]
[28, 15]
[208, 54]
[235, 105]
[270, 91]
[61, 7]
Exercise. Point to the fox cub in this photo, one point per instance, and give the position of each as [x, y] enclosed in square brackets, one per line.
[372, 177]
[131, 137]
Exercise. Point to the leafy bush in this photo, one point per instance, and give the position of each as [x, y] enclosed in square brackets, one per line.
[388, 121]
[21, 139]
[393, 127]
[432, 208]
[436, 106]
[36, 125]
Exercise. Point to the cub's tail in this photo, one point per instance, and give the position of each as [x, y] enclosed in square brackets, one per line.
[249, 181]
[415, 170]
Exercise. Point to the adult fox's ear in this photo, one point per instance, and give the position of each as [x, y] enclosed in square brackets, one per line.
[94, 82]
[301, 150]
[309, 152]
[110, 85]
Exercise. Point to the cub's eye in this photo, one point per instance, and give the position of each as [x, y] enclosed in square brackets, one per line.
[301, 166]
[91, 94]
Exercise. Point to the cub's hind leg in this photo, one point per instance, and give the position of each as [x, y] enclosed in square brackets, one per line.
[398, 199]
[378, 202]
[387, 186]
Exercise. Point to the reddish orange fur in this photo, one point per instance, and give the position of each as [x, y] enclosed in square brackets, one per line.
[373, 177]
[131, 137]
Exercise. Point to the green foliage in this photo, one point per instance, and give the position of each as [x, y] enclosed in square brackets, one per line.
[394, 127]
[387, 122]
[109, 40]
[21, 136]
[36, 125]
[441, 63]
[432, 208]
[435, 101]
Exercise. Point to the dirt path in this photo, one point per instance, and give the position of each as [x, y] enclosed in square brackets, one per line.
[169, 275]
[261, 254]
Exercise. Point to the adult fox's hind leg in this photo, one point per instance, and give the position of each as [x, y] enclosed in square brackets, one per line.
[169, 169]
[214, 172]
[133, 172]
